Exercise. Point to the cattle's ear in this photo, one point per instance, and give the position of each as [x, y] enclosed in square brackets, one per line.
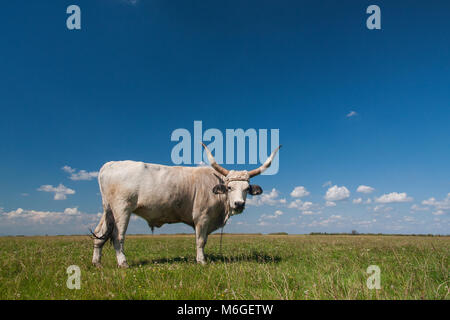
[220, 189]
[255, 190]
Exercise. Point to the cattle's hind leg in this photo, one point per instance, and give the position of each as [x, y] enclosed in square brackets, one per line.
[101, 234]
[122, 217]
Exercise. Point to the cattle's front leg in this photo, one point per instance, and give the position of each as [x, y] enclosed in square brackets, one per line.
[201, 236]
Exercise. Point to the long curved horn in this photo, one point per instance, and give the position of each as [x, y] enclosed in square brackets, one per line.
[213, 162]
[266, 164]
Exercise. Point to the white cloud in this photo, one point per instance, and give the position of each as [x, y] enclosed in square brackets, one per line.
[441, 207]
[300, 205]
[71, 211]
[299, 192]
[444, 204]
[357, 201]
[351, 114]
[270, 199]
[365, 189]
[310, 212]
[60, 191]
[327, 184]
[305, 207]
[336, 193]
[334, 219]
[276, 214]
[393, 197]
[415, 207]
[429, 202]
[81, 174]
[364, 223]
[382, 208]
[33, 217]
[130, 2]
[377, 208]
[68, 169]
[330, 204]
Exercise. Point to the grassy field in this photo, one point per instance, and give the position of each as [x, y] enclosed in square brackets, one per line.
[249, 267]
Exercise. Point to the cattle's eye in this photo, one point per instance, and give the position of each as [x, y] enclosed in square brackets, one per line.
[229, 188]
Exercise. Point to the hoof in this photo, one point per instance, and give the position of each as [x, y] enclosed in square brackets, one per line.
[202, 262]
[97, 265]
[123, 265]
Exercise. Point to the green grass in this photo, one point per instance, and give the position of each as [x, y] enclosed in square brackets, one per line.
[250, 267]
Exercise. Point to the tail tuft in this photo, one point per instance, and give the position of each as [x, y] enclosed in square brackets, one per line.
[110, 226]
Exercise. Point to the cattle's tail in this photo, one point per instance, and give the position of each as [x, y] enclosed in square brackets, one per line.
[105, 229]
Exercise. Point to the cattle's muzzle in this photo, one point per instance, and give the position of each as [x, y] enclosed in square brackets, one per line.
[239, 206]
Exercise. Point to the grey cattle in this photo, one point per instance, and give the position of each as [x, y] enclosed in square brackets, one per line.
[202, 197]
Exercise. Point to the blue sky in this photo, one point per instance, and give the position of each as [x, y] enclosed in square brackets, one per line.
[138, 70]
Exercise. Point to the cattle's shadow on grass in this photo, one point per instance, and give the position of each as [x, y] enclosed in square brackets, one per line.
[163, 261]
[253, 256]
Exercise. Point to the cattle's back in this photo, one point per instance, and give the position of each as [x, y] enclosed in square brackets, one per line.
[154, 184]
